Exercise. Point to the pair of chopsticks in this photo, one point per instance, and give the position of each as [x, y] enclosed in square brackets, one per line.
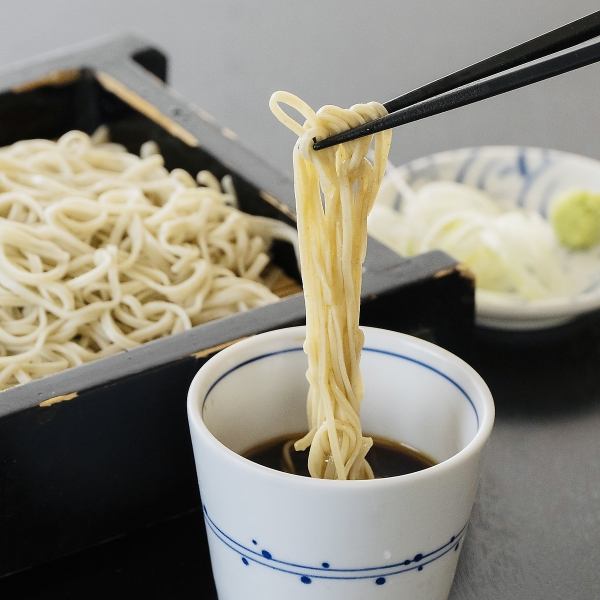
[464, 87]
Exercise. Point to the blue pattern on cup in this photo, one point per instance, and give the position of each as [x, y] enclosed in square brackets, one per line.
[307, 573]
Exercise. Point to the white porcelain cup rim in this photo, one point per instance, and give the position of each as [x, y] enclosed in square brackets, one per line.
[213, 369]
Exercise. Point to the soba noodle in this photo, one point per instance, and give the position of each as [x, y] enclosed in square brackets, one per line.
[102, 250]
[335, 190]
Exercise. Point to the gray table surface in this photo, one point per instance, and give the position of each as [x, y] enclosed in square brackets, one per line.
[228, 56]
[535, 529]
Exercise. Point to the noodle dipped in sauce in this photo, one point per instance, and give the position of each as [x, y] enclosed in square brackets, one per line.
[387, 458]
[335, 189]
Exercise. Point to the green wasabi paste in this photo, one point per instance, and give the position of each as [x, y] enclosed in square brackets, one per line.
[575, 218]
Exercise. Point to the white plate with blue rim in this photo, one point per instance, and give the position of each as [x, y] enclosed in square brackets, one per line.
[515, 177]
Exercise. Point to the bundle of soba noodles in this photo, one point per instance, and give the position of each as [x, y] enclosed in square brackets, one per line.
[102, 250]
[335, 190]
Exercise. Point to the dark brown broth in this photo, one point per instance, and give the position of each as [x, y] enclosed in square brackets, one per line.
[387, 458]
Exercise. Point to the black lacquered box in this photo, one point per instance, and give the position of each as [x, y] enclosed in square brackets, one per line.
[102, 449]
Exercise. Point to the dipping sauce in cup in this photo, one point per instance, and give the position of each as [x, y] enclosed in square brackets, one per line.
[275, 535]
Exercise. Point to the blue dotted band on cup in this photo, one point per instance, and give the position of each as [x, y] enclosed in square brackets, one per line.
[325, 570]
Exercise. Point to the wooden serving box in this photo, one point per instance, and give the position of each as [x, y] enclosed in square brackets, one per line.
[102, 449]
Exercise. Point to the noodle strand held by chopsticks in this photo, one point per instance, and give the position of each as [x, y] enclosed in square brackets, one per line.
[102, 250]
[335, 190]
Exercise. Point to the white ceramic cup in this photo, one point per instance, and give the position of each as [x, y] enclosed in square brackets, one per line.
[277, 536]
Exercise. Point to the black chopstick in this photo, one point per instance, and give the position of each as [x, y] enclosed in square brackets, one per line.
[430, 99]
